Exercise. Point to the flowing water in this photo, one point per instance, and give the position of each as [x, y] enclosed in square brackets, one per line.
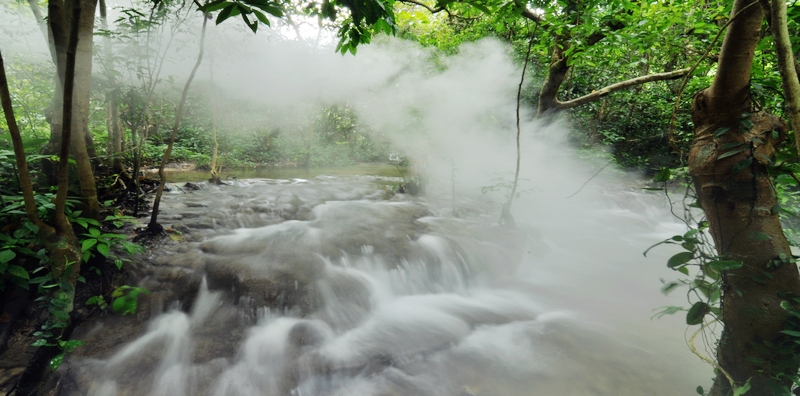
[363, 293]
[331, 285]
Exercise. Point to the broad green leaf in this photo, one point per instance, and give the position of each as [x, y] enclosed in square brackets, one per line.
[663, 175]
[103, 249]
[679, 259]
[6, 256]
[87, 244]
[225, 13]
[213, 6]
[696, 313]
[18, 271]
[56, 361]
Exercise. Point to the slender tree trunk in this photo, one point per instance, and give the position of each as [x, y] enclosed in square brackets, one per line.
[738, 198]
[786, 62]
[81, 141]
[153, 226]
[505, 216]
[113, 124]
[214, 171]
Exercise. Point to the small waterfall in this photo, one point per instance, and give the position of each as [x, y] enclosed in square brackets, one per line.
[374, 297]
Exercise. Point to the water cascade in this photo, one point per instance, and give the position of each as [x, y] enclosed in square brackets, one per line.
[357, 294]
[335, 286]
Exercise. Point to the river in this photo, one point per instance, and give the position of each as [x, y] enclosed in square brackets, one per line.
[333, 285]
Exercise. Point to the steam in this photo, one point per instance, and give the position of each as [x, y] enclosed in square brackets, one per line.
[457, 117]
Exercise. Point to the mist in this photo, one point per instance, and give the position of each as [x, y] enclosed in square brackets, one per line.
[455, 120]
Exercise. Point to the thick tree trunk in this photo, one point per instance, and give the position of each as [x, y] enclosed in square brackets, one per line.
[738, 198]
[60, 24]
[556, 73]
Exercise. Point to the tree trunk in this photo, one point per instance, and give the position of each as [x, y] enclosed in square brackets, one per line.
[60, 24]
[786, 62]
[738, 198]
[113, 125]
[153, 226]
[556, 73]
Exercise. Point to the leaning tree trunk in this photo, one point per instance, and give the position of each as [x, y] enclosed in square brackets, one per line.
[728, 163]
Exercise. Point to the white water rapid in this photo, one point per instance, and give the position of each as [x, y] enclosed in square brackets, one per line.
[331, 286]
[367, 296]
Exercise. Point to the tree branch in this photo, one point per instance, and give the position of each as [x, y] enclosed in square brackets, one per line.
[423, 5]
[19, 153]
[620, 85]
[786, 65]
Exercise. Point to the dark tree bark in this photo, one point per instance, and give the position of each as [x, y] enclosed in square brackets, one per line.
[738, 198]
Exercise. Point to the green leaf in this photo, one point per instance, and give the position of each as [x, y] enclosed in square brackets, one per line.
[225, 13]
[700, 390]
[56, 361]
[669, 310]
[740, 390]
[730, 154]
[103, 249]
[481, 8]
[87, 244]
[690, 233]
[252, 25]
[791, 333]
[663, 175]
[696, 313]
[95, 232]
[261, 17]
[6, 256]
[18, 271]
[684, 270]
[725, 265]
[721, 131]
[213, 6]
[679, 259]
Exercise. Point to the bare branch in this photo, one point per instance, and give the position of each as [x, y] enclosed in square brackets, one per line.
[621, 85]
